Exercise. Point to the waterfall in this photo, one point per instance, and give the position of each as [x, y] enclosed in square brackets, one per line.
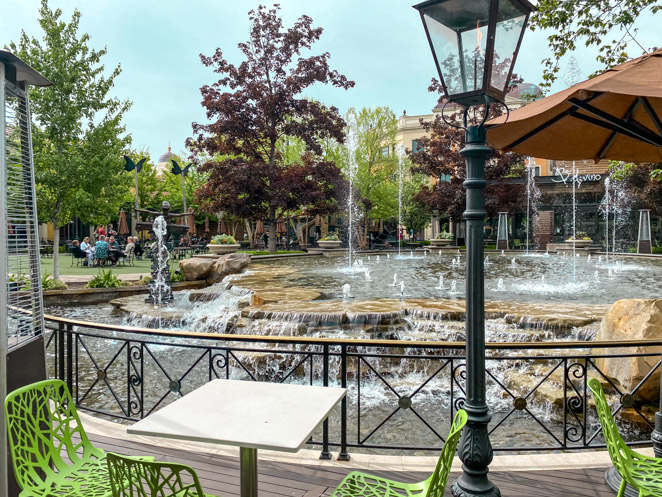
[352, 168]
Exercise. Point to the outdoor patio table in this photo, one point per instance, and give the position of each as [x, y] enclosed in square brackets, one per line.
[247, 414]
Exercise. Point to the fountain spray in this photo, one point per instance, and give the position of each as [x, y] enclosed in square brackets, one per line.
[401, 160]
[532, 198]
[352, 168]
[574, 222]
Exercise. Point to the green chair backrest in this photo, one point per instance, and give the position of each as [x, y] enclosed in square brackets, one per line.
[618, 451]
[437, 481]
[133, 477]
[43, 425]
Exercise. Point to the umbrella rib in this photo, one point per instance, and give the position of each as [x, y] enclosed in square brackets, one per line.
[613, 123]
[651, 113]
[612, 137]
[546, 124]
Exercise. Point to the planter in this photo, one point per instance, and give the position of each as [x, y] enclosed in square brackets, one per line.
[329, 244]
[440, 242]
[580, 243]
[220, 249]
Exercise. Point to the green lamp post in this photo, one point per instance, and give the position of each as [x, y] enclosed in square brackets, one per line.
[474, 44]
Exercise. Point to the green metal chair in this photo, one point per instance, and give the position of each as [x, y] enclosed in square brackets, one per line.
[51, 453]
[642, 472]
[151, 479]
[358, 484]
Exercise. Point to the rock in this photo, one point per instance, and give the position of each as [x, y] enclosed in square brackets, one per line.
[226, 265]
[632, 319]
[195, 268]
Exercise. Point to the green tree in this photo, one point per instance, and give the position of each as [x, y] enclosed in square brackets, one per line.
[591, 23]
[376, 177]
[78, 137]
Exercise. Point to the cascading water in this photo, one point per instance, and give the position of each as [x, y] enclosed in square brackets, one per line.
[352, 168]
[159, 288]
[574, 222]
[604, 210]
[401, 161]
[532, 200]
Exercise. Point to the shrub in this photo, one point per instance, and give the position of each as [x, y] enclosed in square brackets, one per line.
[580, 236]
[105, 279]
[50, 283]
[445, 235]
[223, 240]
[331, 237]
[176, 276]
[144, 280]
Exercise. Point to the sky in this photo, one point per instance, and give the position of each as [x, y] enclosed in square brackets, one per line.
[379, 44]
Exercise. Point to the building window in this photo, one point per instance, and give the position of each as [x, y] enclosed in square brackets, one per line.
[385, 151]
[415, 147]
[445, 177]
[537, 170]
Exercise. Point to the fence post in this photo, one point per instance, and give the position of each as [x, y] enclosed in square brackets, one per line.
[344, 455]
[70, 360]
[59, 356]
[326, 454]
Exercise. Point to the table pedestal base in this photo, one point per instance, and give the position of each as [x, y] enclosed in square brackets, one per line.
[248, 471]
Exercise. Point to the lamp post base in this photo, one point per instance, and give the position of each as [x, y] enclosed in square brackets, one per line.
[458, 491]
[613, 481]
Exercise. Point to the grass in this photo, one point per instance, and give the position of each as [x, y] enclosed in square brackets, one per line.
[143, 267]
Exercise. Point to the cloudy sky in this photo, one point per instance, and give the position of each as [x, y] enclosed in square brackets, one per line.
[380, 44]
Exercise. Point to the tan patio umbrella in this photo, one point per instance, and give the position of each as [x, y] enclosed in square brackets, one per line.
[206, 225]
[616, 115]
[280, 226]
[122, 226]
[191, 222]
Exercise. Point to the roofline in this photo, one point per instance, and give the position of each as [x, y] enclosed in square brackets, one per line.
[22, 71]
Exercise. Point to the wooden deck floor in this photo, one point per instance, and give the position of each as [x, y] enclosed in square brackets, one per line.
[219, 475]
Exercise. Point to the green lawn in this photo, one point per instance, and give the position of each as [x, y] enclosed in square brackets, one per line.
[139, 267]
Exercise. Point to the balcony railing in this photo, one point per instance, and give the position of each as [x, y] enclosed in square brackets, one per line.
[402, 395]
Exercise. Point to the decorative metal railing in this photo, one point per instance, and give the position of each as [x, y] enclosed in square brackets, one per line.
[402, 395]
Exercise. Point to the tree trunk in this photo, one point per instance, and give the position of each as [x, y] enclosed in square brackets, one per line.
[56, 249]
[272, 232]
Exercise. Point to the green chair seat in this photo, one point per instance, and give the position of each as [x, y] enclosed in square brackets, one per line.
[135, 477]
[642, 472]
[51, 453]
[357, 484]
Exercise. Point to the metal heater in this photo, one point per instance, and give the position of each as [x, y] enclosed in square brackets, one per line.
[22, 359]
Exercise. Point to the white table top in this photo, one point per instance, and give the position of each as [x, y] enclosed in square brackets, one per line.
[272, 416]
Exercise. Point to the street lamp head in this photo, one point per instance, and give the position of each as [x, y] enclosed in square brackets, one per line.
[474, 44]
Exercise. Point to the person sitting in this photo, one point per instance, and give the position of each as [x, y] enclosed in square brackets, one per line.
[111, 230]
[137, 248]
[77, 252]
[88, 249]
[101, 251]
[130, 247]
[114, 252]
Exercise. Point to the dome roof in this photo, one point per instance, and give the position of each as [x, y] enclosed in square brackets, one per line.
[163, 165]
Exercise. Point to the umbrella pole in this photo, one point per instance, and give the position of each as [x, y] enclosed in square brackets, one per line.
[184, 192]
[136, 218]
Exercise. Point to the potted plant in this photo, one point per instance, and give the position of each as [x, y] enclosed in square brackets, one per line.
[223, 244]
[581, 240]
[330, 241]
[444, 238]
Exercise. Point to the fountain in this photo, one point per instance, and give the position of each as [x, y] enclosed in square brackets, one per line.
[501, 287]
[161, 230]
[346, 291]
[487, 261]
[377, 259]
[395, 279]
[401, 156]
[543, 281]
[453, 290]
[402, 288]
[513, 264]
[441, 282]
[367, 275]
[532, 198]
[352, 169]
[604, 210]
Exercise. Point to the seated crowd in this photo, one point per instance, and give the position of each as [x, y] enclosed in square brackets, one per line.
[106, 249]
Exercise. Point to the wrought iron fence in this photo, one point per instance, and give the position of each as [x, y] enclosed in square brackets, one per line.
[402, 395]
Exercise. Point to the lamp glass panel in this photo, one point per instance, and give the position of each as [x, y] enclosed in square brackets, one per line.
[454, 27]
[511, 19]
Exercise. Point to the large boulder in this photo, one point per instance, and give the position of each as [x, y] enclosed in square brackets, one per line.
[635, 319]
[195, 268]
[226, 265]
